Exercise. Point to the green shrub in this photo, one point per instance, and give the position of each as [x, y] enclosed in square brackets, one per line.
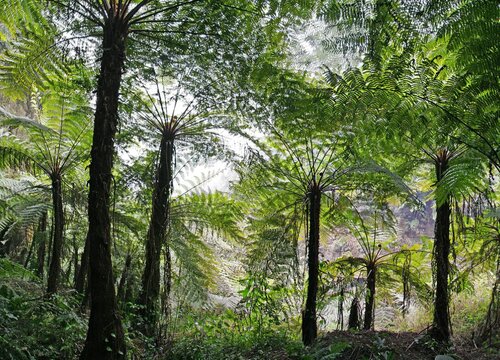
[34, 327]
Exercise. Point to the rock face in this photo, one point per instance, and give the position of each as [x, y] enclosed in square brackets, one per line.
[413, 224]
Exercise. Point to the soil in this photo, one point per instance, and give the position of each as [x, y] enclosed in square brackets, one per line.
[404, 346]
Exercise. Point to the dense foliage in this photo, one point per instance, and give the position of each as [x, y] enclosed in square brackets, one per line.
[209, 179]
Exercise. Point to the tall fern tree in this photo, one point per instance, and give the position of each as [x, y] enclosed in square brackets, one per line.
[116, 23]
[371, 223]
[53, 146]
[396, 97]
[309, 170]
[24, 203]
[200, 223]
[449, 71]
[173, 120]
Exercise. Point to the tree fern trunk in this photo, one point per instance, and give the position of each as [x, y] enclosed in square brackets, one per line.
[75, 260]
[156, 233]
[370, 297]
[57, 241]
[51, 236]
[123, 280]
[84, 268]
[42, 229]
[166, 303]
[441, 322]
[30, 251]
[354, 315]
[105, 338]
[309, 326]
[491, 326]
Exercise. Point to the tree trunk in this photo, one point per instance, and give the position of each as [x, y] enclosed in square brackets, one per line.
[30, 251]
[168, 279]
[123, 280]
[42, 230]
[86, 298]
[57, 240]
[371, 273]
[491, 327]
[129, 289]
[441, 323]
[105, 338]
[51, 236]
[309, 326]
[75, 260]
[150, 288]
[84, 268]
[354, 315]
[340, 309]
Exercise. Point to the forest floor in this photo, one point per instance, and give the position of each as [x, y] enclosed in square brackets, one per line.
[345, 345]
[403, 345]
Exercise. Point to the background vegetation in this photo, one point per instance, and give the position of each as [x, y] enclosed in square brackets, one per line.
[249, 179]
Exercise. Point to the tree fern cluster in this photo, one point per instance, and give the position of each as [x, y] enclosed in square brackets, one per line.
[114, 116]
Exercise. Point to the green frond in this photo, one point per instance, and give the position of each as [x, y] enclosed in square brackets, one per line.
[20, 15]
[22, 204]
[195, 259]
[464, 177]
[13, 121]
[209, 212]
[31, 57]
[10, 270]
[16, 154]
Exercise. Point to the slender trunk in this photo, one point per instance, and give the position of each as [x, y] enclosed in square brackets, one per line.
[21, 257]
[75, 260]
[123, 279]
[441, 323]
[57, 241]
[354, 315]
[86, 298]
[156, 233]
[42, 230]
[68, 271]
[168, 279]
[51, 236]
[309, 326]
[340, 309]
[84, 268]
[491, 327]
[30, 251]
[129, 289]
[167, 283]
[105, 337]
[371, 274]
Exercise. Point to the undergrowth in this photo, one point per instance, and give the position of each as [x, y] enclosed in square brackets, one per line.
[32, 326]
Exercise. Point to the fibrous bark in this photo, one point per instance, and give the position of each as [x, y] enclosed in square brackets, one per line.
[84, 268]
[57, 240]
[75, 260]
[441, 321]
[354, 315]
[123, 279]
[370, 297]
[150, 289]
[42, 230]
[105, 338]
[309, 325]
